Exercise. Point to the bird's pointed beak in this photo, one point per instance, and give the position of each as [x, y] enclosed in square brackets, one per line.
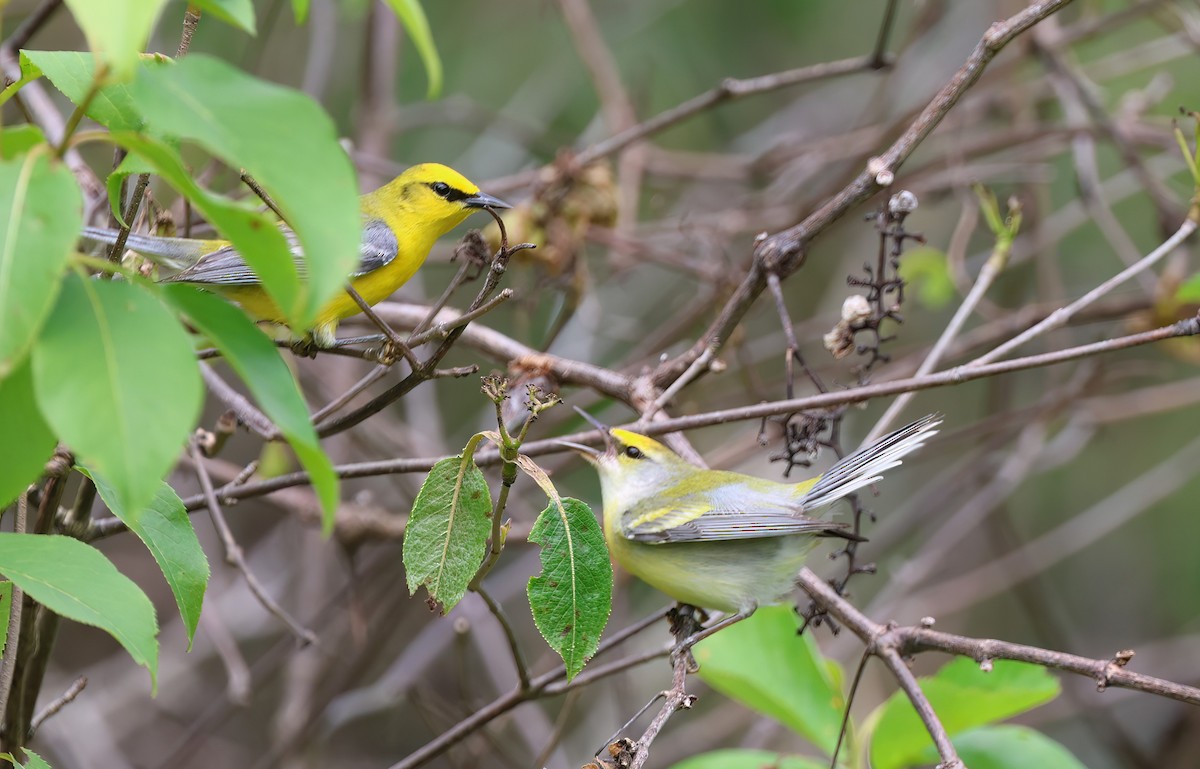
[484, 200]
[590, 454]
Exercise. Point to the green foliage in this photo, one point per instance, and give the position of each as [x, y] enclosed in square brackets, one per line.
[763, 664]
[40, 212]
[29, 73]
[256, 360]
[237, 13]
[116, 379]
[74, 73]
[1189, 291]
[116, 31]
[412, 16]
[964, 697]
[165, 529]
[1007, 747]
[737, 758]
[572, 597]
[926, 270]
[206, 101]
[19, 139]
[33, 762]
[21, 461]
[76, 580]
[447, 530]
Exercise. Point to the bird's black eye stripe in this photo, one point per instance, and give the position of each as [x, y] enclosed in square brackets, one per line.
[443, 190]
[633, 452]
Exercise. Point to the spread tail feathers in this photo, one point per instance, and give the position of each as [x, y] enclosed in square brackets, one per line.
[867, 465]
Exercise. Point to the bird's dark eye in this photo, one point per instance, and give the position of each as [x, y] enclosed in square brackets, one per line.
[633, 452]
[441, 189]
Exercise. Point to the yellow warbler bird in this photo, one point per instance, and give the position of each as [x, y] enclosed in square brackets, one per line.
[400, 223]
[718, 539]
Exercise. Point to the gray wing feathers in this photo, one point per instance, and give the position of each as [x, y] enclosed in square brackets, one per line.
[738, 524]
[226, 267]
[379, 247]
[867, 465]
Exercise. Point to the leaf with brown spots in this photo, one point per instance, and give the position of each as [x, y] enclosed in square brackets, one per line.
[447, 531]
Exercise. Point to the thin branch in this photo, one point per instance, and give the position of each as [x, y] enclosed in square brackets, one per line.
[236, 558]
[908, 682]
[729, 89]
[1061, 316]
[828, 400]
[991, 270]
[246, 412]
[8, 663]
[66, 698]
[785, 251]
[514, 648]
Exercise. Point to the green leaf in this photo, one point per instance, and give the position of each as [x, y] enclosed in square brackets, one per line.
[964, 697]
[165, 529]
[115, 376]
[412, 16]
[572, 597]
[300, 10]
[41, 211]
[35, 761]
[1189, 291]
[447, 531]
[19, 139]
[762, 663]
[739, 758]
[256, 360]
[75, 580]
[929, 272]
[116, 30]
[238, 13]
[1007, 747]
[6, 589]
[287, 143]
[21, 462]
[74, 72]
[29, 73]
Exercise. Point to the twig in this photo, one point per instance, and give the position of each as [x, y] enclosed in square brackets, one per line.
[394, 343]
[991, 269]
[507, 702]
[262, 194]
[1069, 537]
[191, 19]
[1061, 316]
[60, 702]
[785, 251]
[510, 636]
[443, 329]
[8, 663]
[373, 376]
[729, 89]
[954, 376]
[246, 412]
[908, 682]
[234, 555]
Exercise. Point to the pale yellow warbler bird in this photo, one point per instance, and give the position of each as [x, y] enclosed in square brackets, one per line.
[400, 223]
[718, 539]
